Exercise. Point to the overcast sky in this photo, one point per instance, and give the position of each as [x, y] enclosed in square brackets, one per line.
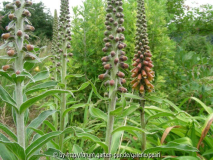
[55, 4]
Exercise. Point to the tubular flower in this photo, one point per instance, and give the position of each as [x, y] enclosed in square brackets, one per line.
[113, 46]
[142, 73]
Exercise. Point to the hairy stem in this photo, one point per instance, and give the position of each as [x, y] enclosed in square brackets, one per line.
[63, 95]
[112, 97]
[143, 124]
[19, 85]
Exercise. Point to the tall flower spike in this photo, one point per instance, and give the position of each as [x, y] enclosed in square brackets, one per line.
[115, 58]
[142, 73]
[20, 50]
[64, 37]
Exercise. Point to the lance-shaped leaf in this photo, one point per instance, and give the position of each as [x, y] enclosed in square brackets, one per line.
[41, 86]
[4, 152]
[5, 96]
[51, 152]
[83, 86]
[95, 112]
[15, 148]
[130, 129]
[4, 74]
[74, 107]
[33, 100]
[37, 144]
[38, 121]
[8, 132]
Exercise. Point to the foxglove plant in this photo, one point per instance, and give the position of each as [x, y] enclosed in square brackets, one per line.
[114, 61]
[64, 44]
[142, 73]
[20, 51]
[23, 57]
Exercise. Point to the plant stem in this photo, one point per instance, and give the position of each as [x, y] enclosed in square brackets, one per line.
[19, 85]
[63, 95]
[143, 123]
[112, 103]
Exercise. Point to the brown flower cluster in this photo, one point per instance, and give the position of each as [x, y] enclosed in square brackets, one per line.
[142, 73]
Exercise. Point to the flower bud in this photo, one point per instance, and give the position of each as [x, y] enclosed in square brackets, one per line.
[113, 53]
[123, 81]
[116, 61]
[11, 16]
[120, 74]
[105, 59]
[19, 33]
[122, 89]
[29, 28]
[11, 53]
[107, 66]
[28, 3]
[102, 76]
[29, 47]
[18, 72]
[18, 4]
[6, 67]
[70, 54]
[5, 36]
[111, 82]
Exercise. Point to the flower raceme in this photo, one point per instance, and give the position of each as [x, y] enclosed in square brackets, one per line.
[142, 72]
[114, 45]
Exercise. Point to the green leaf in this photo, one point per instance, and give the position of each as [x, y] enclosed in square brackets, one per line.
[130, 149]
[31, 101]
[117, 111]
[50, 125]
[130, 110]
[4, 74]
[96, 92]
[7, 57]
[154, 99]
[95, 112]
[41, 76]
[51, 152]
[94, 139]
[5, 96]
[38, 121]
[130, 129]
[4, 45]
[8, 132]
[83, 86]
[74, 75]
[76, 149]
[5, 154]
[41, 86]
[207, 109]
[37, 144]
[132, 96]
[22, 76]
[208, 152]
[74, 107]
[172, 146]
[162, 114]
[15, 148]
[28, 66]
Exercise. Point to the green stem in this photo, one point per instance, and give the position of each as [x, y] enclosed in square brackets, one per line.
[63, 95]
[19, 85]
[112, 97]
[143, 124]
